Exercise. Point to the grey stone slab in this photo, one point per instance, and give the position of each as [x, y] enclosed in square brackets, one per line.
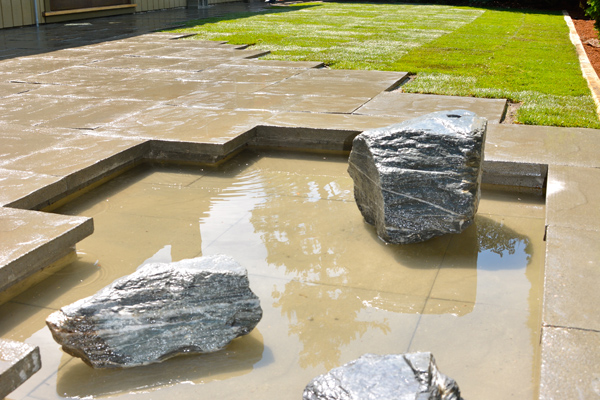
[143, 63]
[33, 240]
[83, 75]
[543, 144]
[338, 83]
[234, 73]
[18, 361]
[570, 368]
[573, 197]
[571, 295]
[355, 123]
[27, 190]
[101, 114]
[408, 105]
[9, 88]
[258, 62]
[31, 109]
[19, 141]
[270, 101]
[191, 124]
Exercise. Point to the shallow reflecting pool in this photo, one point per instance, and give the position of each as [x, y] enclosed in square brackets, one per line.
[330, 289]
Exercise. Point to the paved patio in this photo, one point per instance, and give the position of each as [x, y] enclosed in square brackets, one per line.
[81, 102]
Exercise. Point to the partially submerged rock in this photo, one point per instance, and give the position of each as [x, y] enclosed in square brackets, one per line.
[394, 376]
[420, 178]
[160, 311]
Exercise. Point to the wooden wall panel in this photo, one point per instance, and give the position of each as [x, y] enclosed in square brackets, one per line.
[6, 10]
[17, 13]
[28, 12]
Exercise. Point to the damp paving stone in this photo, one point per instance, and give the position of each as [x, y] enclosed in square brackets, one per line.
[338, 83]
[545, 144]
[572, 273]
[233, 73]
[162, 310]
[409, 105]
[420, 178]
[32, 109]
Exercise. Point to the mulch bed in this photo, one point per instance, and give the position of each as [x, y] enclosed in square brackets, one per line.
[586, 31]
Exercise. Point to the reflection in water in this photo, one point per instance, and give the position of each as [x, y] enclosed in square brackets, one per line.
[301, 225]
[77, 379]
[503, 242]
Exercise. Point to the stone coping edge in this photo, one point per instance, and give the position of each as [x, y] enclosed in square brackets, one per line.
[20, 362]
[587, 70]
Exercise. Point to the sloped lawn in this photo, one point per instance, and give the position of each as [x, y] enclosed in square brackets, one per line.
[526, 57]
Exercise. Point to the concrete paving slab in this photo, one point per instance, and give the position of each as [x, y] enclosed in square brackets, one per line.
[23, 67]
[408, 105]
[190, 124]
[570, 364]
[84, 75]
[27, 190]
[543, 144]
[82, 159]
[258, 62]
[30, 109]
[270, 101]
[135, 90]
[20, 141]
[144, 63]
[234, 73]
[32, 240]
[339, 83]
[18, 361]
[572, 199]
[351, 122]
[101, 114]
[572, 271]
[9, 88]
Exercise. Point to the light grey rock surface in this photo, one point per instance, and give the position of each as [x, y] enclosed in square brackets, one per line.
[160, 311]
[420, 178]
[18, 361]
[394, 376]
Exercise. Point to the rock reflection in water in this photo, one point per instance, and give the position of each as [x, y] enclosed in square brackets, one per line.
[78, 380]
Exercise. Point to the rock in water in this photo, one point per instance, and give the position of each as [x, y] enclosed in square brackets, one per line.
[160, 311]
[420, 178]
[394, 376]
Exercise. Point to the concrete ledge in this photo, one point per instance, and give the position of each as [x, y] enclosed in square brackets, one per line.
[520, 176]
[32, 240]
[18, 361]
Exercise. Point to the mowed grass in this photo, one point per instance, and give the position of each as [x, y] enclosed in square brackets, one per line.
[526, 57]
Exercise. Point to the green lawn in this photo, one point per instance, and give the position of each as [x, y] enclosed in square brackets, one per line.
[522, 56]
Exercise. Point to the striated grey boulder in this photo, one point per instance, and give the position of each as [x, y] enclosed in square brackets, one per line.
[395, 376]
[160, 311]
[420, 178]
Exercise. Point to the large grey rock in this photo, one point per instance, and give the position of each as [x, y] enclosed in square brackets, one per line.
[420, 178]
[160, 311]
[395, 376]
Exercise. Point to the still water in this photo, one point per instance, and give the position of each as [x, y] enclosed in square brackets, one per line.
[330, 289]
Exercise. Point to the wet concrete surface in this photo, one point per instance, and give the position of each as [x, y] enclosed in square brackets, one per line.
[79, 102]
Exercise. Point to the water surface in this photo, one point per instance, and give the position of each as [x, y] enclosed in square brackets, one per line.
[330, 289]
